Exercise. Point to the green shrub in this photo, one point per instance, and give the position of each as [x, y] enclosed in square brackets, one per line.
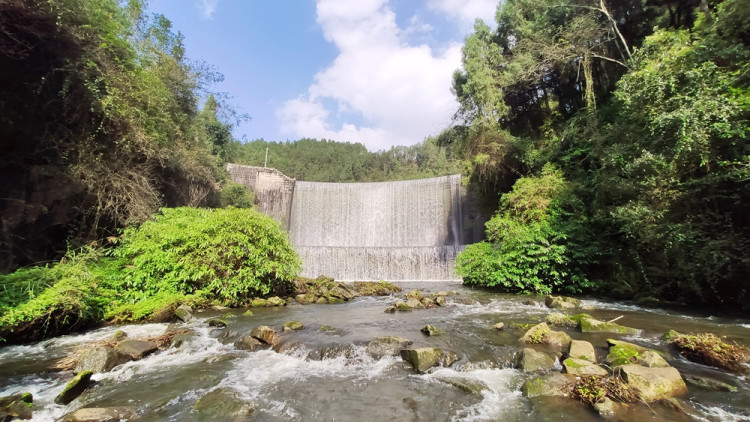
[226, 254]
[533, 241]
[235, 195]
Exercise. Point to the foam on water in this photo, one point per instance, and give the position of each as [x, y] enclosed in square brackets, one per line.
[718, 414]
[501, 396]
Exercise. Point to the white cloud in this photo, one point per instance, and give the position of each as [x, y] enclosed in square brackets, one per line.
[466, 11]
[402, 91]
[207, 8]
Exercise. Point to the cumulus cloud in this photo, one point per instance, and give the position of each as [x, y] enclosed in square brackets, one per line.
[207, 8]
[401, 91]
[466, 11]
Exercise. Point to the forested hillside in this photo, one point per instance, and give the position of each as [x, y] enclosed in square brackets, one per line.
[627, 123]
[100, 124]
[331, 161]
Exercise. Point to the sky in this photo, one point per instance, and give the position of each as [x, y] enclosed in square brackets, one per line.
[377, 72]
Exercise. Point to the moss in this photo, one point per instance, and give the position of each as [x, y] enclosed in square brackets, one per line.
[573, 363]
[533, 387]
[258, 303]
[710, 349]
[620, 354]
[560, 320]
[402, 306]
[248, 313]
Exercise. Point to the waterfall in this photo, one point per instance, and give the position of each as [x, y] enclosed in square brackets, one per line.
[405, 230]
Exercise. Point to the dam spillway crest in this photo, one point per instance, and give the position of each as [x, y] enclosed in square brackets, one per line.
[402, 230]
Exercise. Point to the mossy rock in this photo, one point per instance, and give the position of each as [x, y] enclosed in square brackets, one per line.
[549, 385]
[74, 387]
[333, 300]
[440, 301]
[415, 294]
[532, 360]
[591, 325]
[580, 368]
[542, 334]
[293, 326]
[217, 323]
[18, 406]
[431, 330]
[560, 320]
[119, 335]
[222, 404]
[387, 346]
[184, 313]
[561, 302]
[228, 315]
[580, 349]
[248, 313]
[402, 306]
[259, 303]
[653, 384]
[710, 349]
[710, 384]
[425, 358]
[276, 301]
[375, 288]
[265, 334]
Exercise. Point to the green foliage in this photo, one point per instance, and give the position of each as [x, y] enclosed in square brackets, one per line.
[532, 242]
[227, 254]
[235, 195]
[330, 161]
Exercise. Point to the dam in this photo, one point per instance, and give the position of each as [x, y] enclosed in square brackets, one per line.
[396, 231]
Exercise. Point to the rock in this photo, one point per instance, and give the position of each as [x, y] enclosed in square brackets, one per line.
[333, 300]
[582, 350]
[429, 302]
[414, 303]
[375, 288]
[541, 334]
[275, 301]
[228, 315]
[136, 349]
[16, 406]
[653, 383]
[441, 294]
[651, 359]
[591, 325]
[181, 339]
[561, 302]
[710, 384]
[330, 330]
[580, 367]
[258, 303]
[431, 331]
[217, 322]
[499, 326]
[74, 387]
[529, 302]
[222, 404]
[248, 313]
[184, 312]
[471, 386]
[553, 384]
[100, 359]
[425, 358]
[386, 346]
[223, 358]
[710, 349]
[249, 343]
[390, 310]
[414, 294]
[119, 335]
[265, 334]
[100, 414]
[402, 306]
[623, 353]
[531, 361]
[560, 320]
[606, 408]
[306, 299]
[440, 301]
[293, 326]
[321, 301]
[220, 308]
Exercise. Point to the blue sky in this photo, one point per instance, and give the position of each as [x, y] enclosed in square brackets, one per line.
[371, 71]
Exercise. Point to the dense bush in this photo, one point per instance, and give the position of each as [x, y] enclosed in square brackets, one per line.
[533, 241]
[226, 254]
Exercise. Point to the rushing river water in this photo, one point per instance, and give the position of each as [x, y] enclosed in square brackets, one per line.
[330, 377]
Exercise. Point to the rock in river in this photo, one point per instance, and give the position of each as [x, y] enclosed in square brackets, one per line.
[425, 358]
[100, 359]
[531, 360]
[223, 404]
[136, 349]
[653, 383]
[74, 387]
[100, 414]
[265, 334]
[387, 346]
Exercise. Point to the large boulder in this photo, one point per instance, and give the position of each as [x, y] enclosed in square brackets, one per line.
[387, 346]
[99, 359]
[100, 414]
[74, 387]
[542, 334]
[580, 349]
[223, 404]
[553, 384]
[265, 334]
[249, 343]
[561, 302]
[624, 353]
[425, 358]
[653, 383]
[136, 349]
[184, 312]
[580, 367]
[532, 360]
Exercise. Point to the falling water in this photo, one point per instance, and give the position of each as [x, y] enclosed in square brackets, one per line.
[406, 230]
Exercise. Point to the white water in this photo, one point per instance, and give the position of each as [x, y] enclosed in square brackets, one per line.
[406, 230]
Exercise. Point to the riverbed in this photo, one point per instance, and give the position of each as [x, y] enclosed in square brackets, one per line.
[327, 375]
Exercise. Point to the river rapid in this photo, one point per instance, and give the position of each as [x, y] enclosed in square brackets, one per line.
[326, 374]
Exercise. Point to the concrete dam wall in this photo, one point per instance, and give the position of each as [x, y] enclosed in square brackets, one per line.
[404, 230]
